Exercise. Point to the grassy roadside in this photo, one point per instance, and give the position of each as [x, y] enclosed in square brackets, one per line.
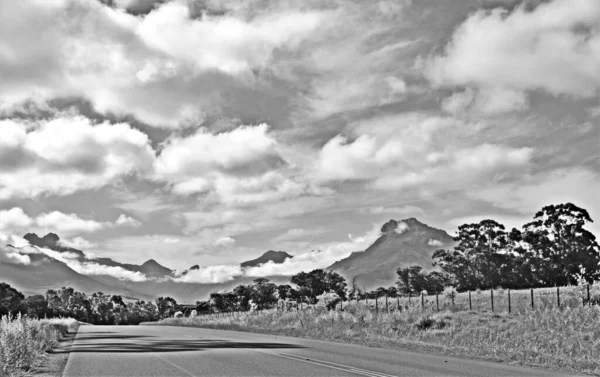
[24, 342]
[565, 339]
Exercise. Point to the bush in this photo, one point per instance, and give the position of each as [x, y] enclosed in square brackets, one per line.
[328, 300]
[23, 341]
[430, 322]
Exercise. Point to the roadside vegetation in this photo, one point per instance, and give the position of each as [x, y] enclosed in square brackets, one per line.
[24, 342]
[565, 339]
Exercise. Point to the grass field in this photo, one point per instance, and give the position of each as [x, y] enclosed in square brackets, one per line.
[24, 342]
[565, 338]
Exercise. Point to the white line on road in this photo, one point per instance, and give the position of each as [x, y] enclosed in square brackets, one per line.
[328, 364]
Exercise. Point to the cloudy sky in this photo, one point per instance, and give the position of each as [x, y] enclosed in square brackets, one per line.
[209, 131]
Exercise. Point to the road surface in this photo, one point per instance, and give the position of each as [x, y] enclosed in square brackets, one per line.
[181, 351]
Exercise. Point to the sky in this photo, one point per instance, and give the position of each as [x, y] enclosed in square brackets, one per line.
[210, 131]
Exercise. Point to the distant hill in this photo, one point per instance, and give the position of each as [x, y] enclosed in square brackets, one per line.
[402, 243]
[150, 268]
[48, 273]
[277, 257]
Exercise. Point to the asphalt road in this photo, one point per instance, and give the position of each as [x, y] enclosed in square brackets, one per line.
[180, 351]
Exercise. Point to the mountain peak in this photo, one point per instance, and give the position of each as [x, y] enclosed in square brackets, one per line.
[276, 257]
[152, 268]
[405, 242]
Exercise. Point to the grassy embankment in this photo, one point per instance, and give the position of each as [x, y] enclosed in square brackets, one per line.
[24, 342]
[566, 338]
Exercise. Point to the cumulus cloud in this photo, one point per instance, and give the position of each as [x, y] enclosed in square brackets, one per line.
[13, 256]
[163, 64]
[125, 220]
[225, 242]
[434, 242]
[243, 166]
[68, 154]
[409, 150]
[211, 274]
[15, 220]
[506, 53]
[79, 243]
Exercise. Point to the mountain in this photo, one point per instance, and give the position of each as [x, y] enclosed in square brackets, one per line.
[46, 273]
[153, 269]
[150, 268]
[276, 257]
[52, 241]
[402, 243]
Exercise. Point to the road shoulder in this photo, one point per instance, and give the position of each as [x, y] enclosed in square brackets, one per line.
[55, 361]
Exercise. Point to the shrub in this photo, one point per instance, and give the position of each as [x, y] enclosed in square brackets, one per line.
[23, 341]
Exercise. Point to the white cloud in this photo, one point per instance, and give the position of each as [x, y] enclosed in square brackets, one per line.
[125, 220]
[65, 155]
[505, 54]
[211, 274]
[228, 44]
[13, 256]
[434, 242]
[78, 243]
[167, 68]
[98, 269]
[225, 242]
[16, 221]
[412, 150]
[488, 101]
[401, 227]
[67, 223]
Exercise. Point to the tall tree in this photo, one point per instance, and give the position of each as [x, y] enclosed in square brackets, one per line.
[563, 249]
[314, 283]
[482, 252]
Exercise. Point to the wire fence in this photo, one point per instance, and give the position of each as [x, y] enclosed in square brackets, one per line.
[495, 300]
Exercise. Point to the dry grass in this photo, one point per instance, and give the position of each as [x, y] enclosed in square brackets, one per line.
[565, 339]
[24, 342]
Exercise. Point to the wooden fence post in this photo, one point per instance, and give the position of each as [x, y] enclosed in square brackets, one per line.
[509, 308]
[437, 302]
[398, 302]
[532, 306]
[557, 297]
[470, 306]
[376, 304]
[422, 300]
[492, 296]
[588, 294]
[386, 304]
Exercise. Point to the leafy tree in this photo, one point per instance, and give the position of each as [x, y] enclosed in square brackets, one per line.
[392, 291]
[482, 253]
[562, 248]
[285, 291]
[264, 291]
[316, 282]
[244, 295]
[10, 298]
[165, 306]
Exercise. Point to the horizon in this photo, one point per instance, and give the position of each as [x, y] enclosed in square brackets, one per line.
[208, 132]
